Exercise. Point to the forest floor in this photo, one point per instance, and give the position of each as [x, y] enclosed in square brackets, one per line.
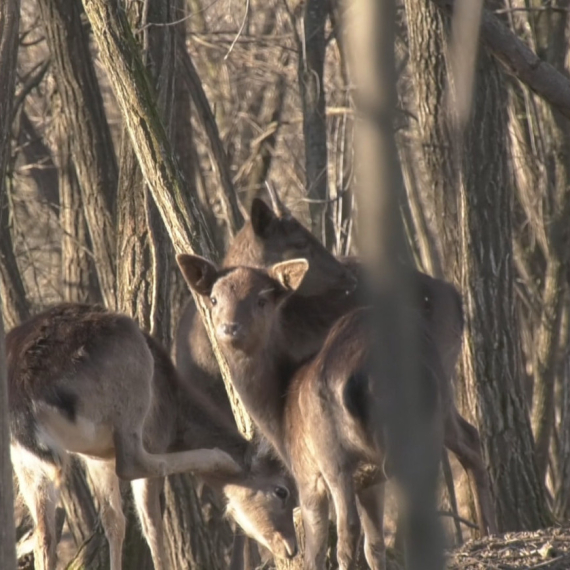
[546, 549]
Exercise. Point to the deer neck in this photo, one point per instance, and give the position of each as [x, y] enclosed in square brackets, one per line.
[262, 379]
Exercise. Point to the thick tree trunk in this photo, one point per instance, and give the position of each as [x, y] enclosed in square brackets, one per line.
[79, 278]
[492, 357]
[84, 115]
[178, 209]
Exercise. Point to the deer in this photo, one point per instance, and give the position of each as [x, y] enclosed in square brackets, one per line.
[315, 416]
[331, 288]
[87, 382]
[250, 307]
[270, 236]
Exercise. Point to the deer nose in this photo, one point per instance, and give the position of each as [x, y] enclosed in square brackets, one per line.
[291, 549]
[231, 329]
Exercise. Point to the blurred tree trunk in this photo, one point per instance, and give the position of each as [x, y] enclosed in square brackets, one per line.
[492, 358]
[82, 107]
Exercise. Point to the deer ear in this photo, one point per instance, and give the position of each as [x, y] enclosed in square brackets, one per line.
[262, 217]
[290, 273]
[199, 273]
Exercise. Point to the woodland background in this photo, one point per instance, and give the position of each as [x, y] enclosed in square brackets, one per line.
[118, 116]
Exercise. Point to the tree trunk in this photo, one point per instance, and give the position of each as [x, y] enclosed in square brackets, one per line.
[9, 26]
[492, 358]
[7, 530]
[179, 209]
[79, 278]
[311, 82]
[84, 115]
[12, 292]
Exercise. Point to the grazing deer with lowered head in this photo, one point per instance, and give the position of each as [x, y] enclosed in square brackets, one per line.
[317, 416]
[250, 313]
[88, 382]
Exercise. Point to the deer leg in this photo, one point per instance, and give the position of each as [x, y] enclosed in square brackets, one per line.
[463, 440]
[37, 485]
[105, 484]
[315, 512]
[371, 508]
[347, 519]
[146, 493]
[134, 462]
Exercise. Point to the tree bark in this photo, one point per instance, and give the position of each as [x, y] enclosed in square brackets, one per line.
[492, 358]
[7, 530]
[311, 83]
[12, 292]
[84, 115]
[179, 209]
[79, 278]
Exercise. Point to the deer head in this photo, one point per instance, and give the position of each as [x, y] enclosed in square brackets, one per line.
[243, 301]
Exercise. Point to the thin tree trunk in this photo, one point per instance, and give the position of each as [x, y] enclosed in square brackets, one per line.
[311, 82]
[12, 292]
[84, 115]
[7, 530]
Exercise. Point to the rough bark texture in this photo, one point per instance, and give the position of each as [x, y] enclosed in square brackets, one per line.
[7, 531]
[12, 292]
[426, 36]
[492, 357]
[311, 82]
[78, 272]
[551, 43]
[179, 209]
[85, 120]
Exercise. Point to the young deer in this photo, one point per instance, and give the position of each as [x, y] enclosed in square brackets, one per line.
[315, 417]
[268, 237]
[250, 312]
[85, 381]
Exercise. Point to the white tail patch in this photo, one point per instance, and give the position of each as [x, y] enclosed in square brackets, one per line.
[80, 436]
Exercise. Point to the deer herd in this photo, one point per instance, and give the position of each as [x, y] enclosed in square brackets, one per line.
[289, 318]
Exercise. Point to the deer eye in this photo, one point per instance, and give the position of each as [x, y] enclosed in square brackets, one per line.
[213, 300]
[281, 492]
[261, 302]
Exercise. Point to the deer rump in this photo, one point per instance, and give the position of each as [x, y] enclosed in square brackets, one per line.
[333, 410]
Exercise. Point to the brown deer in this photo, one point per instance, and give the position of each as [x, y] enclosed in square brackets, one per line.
[268, 237]
[250, 313]
[328, 291]
[88, 382]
